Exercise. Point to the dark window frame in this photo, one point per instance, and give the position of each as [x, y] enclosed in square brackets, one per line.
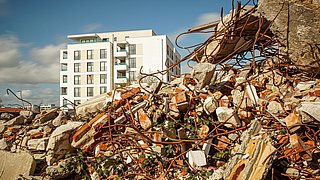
[77, 55]
[90, 56]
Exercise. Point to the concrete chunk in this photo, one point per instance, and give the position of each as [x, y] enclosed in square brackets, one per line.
[226, 114]
[203, 73]
[38, 144]
[197, 158]
[59, 142]
[15, 164]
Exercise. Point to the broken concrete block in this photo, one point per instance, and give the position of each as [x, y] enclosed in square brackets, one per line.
[32, 132]
[197, 158]
[293, 122]
[16, 121]
[37, 144]
[173, 110]
[3, 144]
[275, 107]
[26, 113]
[6, 116]
[60, 119]
[144, 120]
[39, 156]
[47, 130]
[239, 98]
[310, 108]
[202, 73]
[15, 164]
[51, 114]
[301, 18]
[226, 114]
[302, 86]
[59, 142]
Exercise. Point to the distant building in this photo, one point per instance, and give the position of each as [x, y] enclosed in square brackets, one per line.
[46, 107]
[96, 63]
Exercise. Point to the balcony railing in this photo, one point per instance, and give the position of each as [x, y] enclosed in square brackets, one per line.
[122, 63]
[121, 77]
[85, 42]
[121, 50]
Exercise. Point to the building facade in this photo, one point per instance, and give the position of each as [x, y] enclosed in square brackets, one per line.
[96, 63]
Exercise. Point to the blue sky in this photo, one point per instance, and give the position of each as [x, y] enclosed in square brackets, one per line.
[33, 31]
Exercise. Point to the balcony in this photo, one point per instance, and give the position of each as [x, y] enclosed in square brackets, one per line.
[120, 66]
[121, 80]
[120, 53]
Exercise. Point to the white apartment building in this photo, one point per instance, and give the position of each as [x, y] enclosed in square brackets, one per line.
[96, 63]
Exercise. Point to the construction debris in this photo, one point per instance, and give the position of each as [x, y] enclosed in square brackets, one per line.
[245, 111]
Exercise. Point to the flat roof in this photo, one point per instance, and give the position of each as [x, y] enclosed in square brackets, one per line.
[76, 36]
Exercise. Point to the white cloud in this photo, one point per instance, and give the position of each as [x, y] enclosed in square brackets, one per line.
[41, 67]
[9, 53]
[26, 93]
[207, 17]
[91, 27]
[36, 94]
[48, 54]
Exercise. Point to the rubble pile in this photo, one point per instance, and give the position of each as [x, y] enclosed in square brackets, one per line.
[245, 111]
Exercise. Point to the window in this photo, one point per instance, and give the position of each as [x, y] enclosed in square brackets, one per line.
[65, 103]
[103, 79]
[103, 53]
[90, 79]
[64, 66]
[103, 66]
[65, 54]
[126, 37]
[64, 78]
[132, 49]
[89, 91]
[115, 38]
[76, 102]
[105, 40]
[77, 79]
[171, 54]
[132, 76]
[103, 89]
[76, 67]
[76, 92]
[132, 63]
[89, 66]
[89, 54]
[63, 90]
[168, 50]
[167, 63]
[77, 55]
[121, 74]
